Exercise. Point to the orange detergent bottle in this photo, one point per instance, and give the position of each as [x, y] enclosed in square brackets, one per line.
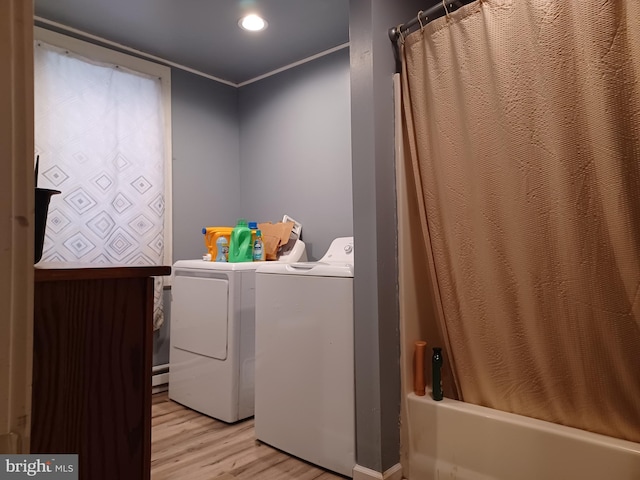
[211, 237]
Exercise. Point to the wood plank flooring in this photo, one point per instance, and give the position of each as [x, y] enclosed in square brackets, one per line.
[186, 445]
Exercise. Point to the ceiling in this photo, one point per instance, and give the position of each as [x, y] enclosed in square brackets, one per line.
[204, 34]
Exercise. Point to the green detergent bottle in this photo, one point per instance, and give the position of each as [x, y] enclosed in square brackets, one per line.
[240, 247]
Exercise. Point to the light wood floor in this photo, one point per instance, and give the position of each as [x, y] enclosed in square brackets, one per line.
[186, 445]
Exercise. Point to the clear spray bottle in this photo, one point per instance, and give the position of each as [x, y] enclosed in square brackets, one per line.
[258, 247]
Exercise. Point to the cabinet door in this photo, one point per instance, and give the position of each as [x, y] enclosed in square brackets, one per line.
[92, 374]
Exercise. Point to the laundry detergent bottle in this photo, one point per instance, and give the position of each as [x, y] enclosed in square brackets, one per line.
[240, 246]
[258, 247]
[222, 250]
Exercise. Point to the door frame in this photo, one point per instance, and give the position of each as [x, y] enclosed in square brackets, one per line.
[16, 223]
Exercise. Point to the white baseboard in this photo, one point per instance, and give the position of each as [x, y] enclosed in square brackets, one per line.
[159, 379]
[159, 389]
[363, 473]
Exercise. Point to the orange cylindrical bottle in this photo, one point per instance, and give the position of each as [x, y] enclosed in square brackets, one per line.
[418, 368]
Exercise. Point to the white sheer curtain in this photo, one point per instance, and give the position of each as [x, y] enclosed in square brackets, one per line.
[99, 132]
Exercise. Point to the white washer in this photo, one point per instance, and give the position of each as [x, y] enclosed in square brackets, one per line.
[212, 339]
[304, 383]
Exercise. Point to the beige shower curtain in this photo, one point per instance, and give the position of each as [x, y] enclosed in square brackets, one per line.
[523, 120]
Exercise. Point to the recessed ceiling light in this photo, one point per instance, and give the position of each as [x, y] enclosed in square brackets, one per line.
[253, 23]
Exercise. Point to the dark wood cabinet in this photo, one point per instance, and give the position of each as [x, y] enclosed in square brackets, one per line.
[92, 356]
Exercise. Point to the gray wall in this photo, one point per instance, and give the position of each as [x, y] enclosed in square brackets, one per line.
[377, 349]
[206, 156]
[295, 149]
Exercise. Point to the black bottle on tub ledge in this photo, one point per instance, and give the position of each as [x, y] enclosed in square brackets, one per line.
[436, 368]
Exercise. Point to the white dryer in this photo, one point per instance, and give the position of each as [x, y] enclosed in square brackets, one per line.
[304, 383]
[212, 339]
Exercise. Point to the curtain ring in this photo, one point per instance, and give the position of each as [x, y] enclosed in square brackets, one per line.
[446, 10]
[400, 34]
[420, 21]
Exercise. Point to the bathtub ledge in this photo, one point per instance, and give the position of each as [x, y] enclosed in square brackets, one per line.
[457, 440]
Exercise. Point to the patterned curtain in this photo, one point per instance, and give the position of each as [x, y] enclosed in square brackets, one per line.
[100, 138]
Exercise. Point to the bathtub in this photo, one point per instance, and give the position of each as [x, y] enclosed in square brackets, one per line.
[457, 440]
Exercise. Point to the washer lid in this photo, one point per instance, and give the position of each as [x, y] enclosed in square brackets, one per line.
[340, 251]
[206, 265]
[313, 269]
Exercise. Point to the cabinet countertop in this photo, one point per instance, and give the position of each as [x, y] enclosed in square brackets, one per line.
[47, 272]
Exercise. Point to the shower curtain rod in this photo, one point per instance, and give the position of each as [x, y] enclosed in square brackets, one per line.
[433, 12]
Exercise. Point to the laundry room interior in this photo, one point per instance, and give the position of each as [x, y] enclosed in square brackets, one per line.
[256, 148]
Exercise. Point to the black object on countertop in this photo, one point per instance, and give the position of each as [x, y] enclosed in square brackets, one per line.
[43, 197]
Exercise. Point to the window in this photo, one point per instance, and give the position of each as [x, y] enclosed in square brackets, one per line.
[102, 133]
